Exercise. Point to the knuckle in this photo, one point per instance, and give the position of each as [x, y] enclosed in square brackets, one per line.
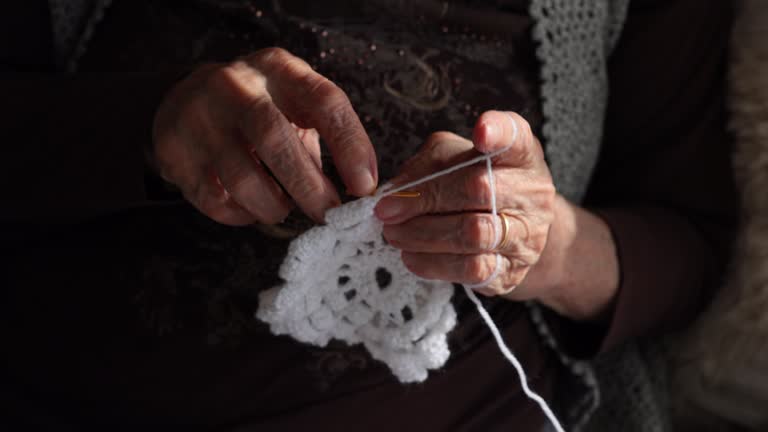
[225, 78]
[435, 139]
[278, 153]
[515, 278]
[162, 151]
[321, 88]
[410, 263]
[478, 188]
[519, 274]
[476, 232]
[528, 254]
[237, 178]
[326, 102]
[260, 119]
[211, 206]
[537, 147]
[276, 216]
[269, 55]
[169, 172]
[275, 52]
[219, 213]
[194, 115]
[339, 111]
[237, 183]
[337, 106]
[167, 155]
[549, 190]
[525, 136]
[538, 243]
[476, 269]
[430, 197]
[303, 188]
[236, 83]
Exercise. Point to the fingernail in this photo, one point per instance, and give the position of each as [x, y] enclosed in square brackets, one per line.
[491, 132]
[389, 208]
[366, 185]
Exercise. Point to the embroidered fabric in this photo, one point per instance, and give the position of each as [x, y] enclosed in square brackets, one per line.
[343, 281]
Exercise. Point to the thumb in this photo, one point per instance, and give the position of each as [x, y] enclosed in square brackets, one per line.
[497, 130]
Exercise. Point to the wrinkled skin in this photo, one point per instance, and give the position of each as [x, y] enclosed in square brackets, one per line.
[219, 130]
[220, 133]
[449, 232]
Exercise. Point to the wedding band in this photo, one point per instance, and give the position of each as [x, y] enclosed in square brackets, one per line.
[504, 239]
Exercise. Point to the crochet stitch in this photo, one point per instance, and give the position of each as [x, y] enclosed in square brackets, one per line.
[343, 281]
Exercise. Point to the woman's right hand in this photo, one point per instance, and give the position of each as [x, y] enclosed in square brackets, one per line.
[220, 129]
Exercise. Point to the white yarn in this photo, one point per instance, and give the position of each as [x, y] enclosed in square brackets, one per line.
[515, 362]
[331, 292]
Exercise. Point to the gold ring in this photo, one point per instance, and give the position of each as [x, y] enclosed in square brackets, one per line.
[504, 240]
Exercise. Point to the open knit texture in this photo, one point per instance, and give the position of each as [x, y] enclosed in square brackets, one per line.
[343, 281]
[575, 39]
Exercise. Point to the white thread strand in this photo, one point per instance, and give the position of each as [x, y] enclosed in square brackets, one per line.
[459, 166]
[496, 235]
[494, 212]
[512, 359]
[444, 172]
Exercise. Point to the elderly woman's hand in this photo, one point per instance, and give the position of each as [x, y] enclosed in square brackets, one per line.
[220, 130]
[448, 233]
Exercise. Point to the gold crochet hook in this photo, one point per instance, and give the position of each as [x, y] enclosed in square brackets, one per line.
[407, 194]
[404, 194]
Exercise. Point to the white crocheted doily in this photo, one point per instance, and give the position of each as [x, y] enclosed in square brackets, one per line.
[342, 281]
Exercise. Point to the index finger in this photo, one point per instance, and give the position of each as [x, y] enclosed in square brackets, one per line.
[496, 130]
[240, 96]
[312, 101]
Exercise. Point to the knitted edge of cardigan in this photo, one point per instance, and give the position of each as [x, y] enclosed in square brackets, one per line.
[575, 39]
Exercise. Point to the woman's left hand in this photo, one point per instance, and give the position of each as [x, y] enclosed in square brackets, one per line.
[448, 233]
